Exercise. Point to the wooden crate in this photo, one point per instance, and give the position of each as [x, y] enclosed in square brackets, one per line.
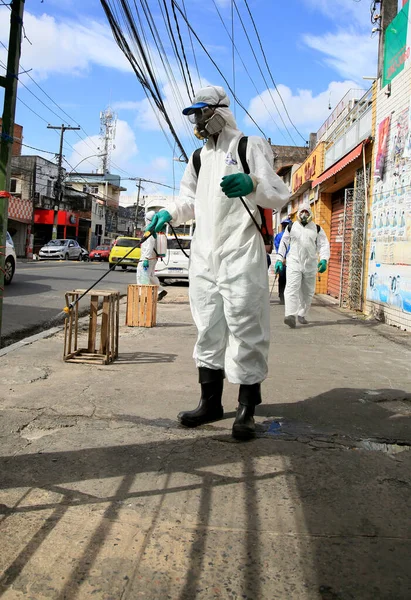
[106, 324]
[141, 305]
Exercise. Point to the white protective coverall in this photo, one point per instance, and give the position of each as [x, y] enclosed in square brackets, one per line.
[306, 248]
[228, 276]
[148, 253]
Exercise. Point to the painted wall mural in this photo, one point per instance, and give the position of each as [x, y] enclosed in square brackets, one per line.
[389, 278]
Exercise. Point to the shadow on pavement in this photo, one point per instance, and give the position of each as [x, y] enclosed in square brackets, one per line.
[138, 358]
[350, 537]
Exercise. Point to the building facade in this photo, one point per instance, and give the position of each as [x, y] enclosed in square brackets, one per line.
[106, 189]
[388, 281]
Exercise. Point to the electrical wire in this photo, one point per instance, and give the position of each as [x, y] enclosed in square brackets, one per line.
[192, 46]
[182, 48]
[248, 73]
[33, 111]
[269, 71]
[218, 69]
[147, 81]
[34, 148]
[263, 76]
[153, 30]
[166, 65]
[174, 45]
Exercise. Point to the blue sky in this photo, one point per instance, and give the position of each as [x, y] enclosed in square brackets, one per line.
[316, 49]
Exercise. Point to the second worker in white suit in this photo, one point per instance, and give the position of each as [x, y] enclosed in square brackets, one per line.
[148, 260]
[229, 293]
[304, 243]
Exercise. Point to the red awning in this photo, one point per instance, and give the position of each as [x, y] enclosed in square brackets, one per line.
[339, 166]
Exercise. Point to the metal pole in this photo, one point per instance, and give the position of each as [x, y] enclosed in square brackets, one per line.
[9, 82]
[364, 238]
[342, 249]
[138, 202]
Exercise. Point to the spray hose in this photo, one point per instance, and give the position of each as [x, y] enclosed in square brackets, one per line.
[148, 234]
[70, 307]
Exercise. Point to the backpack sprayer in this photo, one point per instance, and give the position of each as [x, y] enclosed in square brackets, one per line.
[70, 307]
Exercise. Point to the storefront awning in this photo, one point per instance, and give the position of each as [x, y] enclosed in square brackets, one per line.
[339, 166]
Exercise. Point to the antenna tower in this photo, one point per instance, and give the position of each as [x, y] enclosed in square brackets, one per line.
[108, 121]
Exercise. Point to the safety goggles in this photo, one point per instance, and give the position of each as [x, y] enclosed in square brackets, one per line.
[201, 115]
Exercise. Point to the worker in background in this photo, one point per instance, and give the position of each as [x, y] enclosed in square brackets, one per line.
[302, 242]
[229, 293]
[148, 260]
[282, 274]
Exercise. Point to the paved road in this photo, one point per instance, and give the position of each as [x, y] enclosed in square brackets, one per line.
[36, 293]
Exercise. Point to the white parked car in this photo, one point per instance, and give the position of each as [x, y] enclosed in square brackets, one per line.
[10, 262]
[61, 250]
[175, 264]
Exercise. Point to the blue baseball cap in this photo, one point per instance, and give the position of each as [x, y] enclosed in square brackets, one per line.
[191, 109]
[286, 221]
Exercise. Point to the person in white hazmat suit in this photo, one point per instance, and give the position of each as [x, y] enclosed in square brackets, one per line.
[304, 241]
[148, 260]
[228, 277]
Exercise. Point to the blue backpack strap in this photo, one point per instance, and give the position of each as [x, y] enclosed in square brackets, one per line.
[197, 160]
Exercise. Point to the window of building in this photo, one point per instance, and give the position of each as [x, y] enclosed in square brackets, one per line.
[94, 189]
[48, 192]
[13, 186]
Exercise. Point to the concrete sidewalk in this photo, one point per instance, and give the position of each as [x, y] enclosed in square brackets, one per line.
[104, 496]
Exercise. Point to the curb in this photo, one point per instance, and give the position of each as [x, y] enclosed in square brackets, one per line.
[30, 340]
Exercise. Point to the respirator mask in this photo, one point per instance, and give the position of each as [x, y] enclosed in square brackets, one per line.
[304, 217]
[207, 122]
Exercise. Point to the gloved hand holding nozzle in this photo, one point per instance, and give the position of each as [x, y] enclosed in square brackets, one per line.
[158, 222]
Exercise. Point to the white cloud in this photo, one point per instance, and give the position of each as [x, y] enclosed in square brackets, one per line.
[349, 49]
[67, 47]
[350, 53]
[125, 150]
[307, 111]
[161, 164]
[150, 119]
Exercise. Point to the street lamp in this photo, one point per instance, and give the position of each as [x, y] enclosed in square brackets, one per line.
[82, 160]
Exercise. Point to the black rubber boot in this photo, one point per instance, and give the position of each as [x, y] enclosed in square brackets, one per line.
[210, 408]
[248, 398]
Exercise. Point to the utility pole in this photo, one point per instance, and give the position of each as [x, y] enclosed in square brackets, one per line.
[58, 185]
[389, 10]
[138, 202]
[9, 82]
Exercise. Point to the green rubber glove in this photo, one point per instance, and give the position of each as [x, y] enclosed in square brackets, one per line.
[279, 266]
[238, 184]
[146, 264]
[322, 266]
[158, 222]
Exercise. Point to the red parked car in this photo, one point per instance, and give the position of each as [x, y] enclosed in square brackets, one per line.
[100, 253]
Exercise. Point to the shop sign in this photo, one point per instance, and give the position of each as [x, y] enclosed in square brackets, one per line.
[396, 45]
[310, 169]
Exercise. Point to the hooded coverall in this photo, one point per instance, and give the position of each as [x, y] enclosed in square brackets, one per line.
[303, 244]
[229, 292]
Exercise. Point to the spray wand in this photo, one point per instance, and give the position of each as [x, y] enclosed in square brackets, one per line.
[70, 307]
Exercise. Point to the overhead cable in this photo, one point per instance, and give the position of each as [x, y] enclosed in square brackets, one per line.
[148, 83]
[248, 72]
[269, 71]
[263, 76]
[218, 69]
